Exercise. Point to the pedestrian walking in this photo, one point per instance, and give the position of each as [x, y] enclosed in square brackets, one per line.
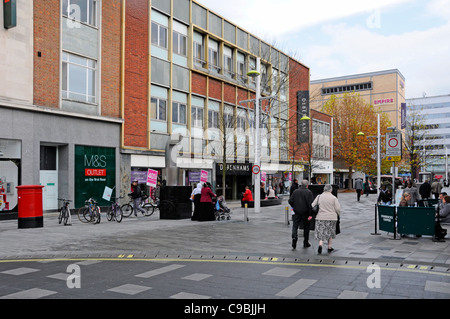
[196, 195]
[247, 196]
[293, 187]
[136, 196]
[206, 212]
[425, 190]
[359, 187]
[327, 217]
[366, 187]
[436, 188]
[301, 200]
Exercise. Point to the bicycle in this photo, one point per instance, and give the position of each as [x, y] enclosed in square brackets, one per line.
[128, 209]
[64, 212]
[115, 211]
[90, 212]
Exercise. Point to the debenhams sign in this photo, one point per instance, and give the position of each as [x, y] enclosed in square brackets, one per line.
[234, 168]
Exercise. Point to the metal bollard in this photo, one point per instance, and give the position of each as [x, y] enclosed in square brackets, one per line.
[286, 215]
[245, 213]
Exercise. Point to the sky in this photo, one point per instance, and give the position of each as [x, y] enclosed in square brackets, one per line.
[336, 38]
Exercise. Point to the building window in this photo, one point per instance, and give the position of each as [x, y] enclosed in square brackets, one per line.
[213, 119]
[228, 61]
[84, 11]
[178, 113]
[159, 35]
[241, 69]
[213, 55]
[240, 124]
[79, 76]
[347, 88]
[197, 116]
[158, 109]
[179, 44]
[199, 49]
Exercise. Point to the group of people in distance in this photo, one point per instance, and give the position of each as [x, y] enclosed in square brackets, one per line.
[202, 197]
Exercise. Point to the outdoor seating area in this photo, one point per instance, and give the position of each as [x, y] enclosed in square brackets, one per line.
[407, 220]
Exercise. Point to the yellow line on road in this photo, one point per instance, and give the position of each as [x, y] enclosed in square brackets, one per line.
[262, 261]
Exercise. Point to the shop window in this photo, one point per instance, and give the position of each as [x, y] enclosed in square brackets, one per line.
[10, 162]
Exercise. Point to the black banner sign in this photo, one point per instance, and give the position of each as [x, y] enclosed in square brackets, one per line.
[302, 110]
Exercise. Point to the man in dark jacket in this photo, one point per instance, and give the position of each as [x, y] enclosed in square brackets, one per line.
[425, 190]
[301, 200]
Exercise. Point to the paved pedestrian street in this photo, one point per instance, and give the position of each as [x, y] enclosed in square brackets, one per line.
[146, 257]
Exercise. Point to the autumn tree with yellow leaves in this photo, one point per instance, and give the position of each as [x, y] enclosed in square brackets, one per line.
[351, 115]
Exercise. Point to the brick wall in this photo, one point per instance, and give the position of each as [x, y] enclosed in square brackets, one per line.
[298, 81]
[215, 89]
[111, 52]
[198, 84]
[229, 94]
[47, 15]
[136, 73]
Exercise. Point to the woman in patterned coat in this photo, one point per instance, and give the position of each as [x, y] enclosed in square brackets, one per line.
[326, 219]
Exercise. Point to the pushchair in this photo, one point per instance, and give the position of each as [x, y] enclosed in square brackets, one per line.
[221, 210]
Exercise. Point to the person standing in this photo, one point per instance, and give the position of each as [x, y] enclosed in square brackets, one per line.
[412, 190]
[327, 217]
[436, 188]
[359, 187]
[385, 196]
[136, 195]
[301, 200]
[293, 187]
[197, 193]
[206, 207]
[425, 190]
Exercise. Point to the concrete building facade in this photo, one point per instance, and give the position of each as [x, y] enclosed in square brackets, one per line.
[60, 100]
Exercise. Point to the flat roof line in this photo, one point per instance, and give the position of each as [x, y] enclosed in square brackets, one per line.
[356, 76]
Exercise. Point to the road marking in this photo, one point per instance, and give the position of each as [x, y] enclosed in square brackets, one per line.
[159, 271]
[297, 264]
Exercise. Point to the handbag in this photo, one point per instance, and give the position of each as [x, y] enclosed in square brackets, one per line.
[315, 209]
[338, 225]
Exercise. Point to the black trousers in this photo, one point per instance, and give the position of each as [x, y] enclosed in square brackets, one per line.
[298, 221]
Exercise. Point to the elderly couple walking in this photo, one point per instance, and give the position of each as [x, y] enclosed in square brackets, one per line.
[302, 201]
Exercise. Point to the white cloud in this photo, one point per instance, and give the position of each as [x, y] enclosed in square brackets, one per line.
[439, 8]
[421, 56]
[274, 18]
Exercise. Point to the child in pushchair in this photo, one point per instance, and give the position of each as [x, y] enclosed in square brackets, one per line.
[221, 210]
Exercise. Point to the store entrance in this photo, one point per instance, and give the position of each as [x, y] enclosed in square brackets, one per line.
[49, 176]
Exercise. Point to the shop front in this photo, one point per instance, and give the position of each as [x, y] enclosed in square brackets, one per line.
[95, 169]
[10, 165]
[238, 175]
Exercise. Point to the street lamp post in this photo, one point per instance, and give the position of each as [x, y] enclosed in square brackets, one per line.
[378, 137]
[257, 75]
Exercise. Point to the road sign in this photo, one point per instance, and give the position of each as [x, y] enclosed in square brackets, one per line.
[256, 169]
[394, 158]
[394, 145]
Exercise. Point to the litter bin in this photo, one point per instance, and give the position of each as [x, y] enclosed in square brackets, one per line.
[30, 206]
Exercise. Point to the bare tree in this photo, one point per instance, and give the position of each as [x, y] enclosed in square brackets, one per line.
[415, 143]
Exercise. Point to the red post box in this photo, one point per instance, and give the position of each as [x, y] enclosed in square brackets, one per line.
[30, 206]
